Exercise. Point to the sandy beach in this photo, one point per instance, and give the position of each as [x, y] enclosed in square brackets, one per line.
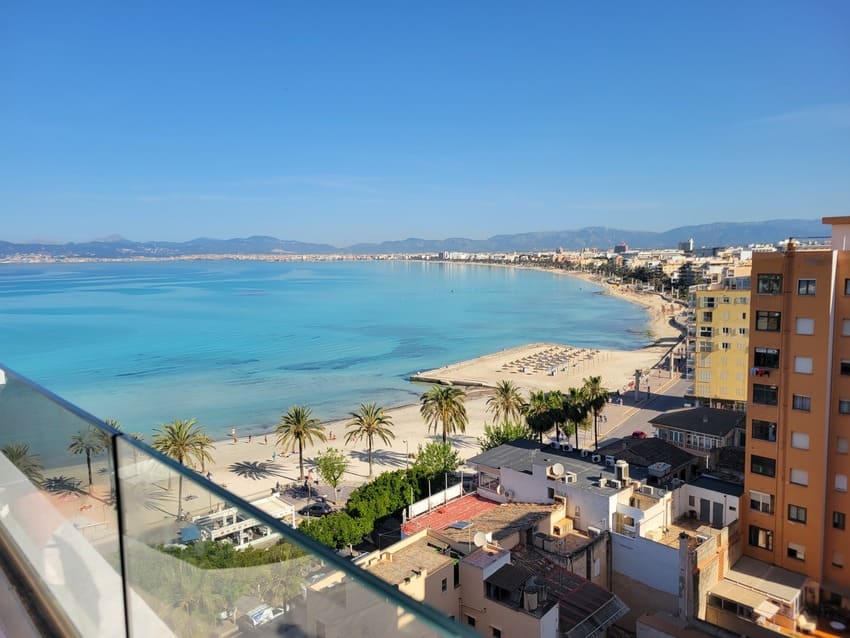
[530, 366]
[250, 468]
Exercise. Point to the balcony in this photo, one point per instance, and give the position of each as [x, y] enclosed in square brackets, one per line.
[111, 548]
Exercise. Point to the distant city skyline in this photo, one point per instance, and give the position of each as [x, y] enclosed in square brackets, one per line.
[371, 122]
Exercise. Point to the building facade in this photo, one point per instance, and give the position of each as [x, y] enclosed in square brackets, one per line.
[798, 417]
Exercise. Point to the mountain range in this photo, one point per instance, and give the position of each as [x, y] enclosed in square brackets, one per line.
[714, 234]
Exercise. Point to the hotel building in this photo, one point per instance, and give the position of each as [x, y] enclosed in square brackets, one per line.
[798, 417]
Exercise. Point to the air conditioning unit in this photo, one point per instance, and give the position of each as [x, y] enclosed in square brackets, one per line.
[509, 494]
[567, 447]
[596, 458]
[610, 460]
[570, 477]
[593, 531]
[614, 483]
[585, 452]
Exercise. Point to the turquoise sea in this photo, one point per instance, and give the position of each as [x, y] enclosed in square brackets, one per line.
[237, 343]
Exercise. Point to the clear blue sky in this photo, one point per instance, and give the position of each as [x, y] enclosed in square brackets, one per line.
[356, 121]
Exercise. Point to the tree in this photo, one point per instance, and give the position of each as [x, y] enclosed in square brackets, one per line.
[596, 397]
[368, 422]
[537, 414]
[298, 427]
[506, 404]
[555, 399]
[331, 465]
[88, 441]
[443, 405]
[576, 409]
[182, 441]
[27, 463]
[496, 435]
[436, 459]
[205, 443]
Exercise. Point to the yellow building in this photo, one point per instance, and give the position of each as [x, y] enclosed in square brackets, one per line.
[798, 417]
[719, 336]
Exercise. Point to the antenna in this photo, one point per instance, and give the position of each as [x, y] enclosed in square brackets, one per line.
[558, 469]
[479, 539]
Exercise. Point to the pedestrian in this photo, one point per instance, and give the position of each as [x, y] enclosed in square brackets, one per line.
[209, 476]
[266, 439]
[250, 438]
[233, 434]
[274, 456]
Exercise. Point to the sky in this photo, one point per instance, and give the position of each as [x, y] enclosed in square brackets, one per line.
[345, 122]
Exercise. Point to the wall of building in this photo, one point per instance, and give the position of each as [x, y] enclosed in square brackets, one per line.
[682, 507]
[641, 599]
[654, 564]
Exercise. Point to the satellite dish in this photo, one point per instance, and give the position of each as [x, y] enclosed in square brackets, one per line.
[558, 469]
[479, 539]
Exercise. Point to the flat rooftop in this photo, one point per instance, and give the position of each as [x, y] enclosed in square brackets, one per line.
[418, 557]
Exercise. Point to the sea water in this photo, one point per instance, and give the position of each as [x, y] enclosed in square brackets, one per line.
[236, 343]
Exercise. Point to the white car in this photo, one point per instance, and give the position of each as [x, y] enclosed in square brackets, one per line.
[259, 616]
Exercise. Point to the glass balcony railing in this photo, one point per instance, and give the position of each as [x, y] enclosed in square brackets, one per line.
[103, 536]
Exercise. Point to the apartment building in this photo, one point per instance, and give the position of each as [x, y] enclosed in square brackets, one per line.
[719, 333]
[798, 417]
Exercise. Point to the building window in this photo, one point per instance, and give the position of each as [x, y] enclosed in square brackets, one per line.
[844, 407]
[805, 326]
[707, 316]
[765, 394]
[845, 328]
[805, 286]
[803, 365]
[763, 465]
[842, 445]
[470, 620]
[764, 430]
[838, 520]
[742, 331]
[799, 477]
[796, 551]
[800, 440]
[796, 514]
[761, 537]
[769, 284]
[705, 346]
[800, 402]
[706, 331]
[761, 502]
[725, 346]
[768, 320]
[837, 559]
[497, 633]
[766, 358]
[444, 584]
[847, 286]
[845, 368]
[841, 482]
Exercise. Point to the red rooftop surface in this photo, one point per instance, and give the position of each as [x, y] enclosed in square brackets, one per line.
[461, 509]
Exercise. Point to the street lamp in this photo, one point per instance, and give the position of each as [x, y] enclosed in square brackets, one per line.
[406, 454]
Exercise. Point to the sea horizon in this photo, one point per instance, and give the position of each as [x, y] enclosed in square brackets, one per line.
[234, 344]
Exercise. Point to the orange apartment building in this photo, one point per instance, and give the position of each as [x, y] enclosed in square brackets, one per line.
[798, 416]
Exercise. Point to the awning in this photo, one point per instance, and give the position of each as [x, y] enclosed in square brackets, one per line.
[190, 533]
[767, 609]
[741, 595]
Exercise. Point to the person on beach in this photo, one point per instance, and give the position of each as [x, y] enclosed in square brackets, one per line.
[266, 439]
[274, 456]
[233, 434]
[250, 438]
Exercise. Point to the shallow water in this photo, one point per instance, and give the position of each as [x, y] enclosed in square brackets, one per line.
[237, 343]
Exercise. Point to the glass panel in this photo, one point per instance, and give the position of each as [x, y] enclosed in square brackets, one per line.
[173, 566]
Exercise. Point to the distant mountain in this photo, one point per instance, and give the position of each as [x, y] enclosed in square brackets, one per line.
[716, 234]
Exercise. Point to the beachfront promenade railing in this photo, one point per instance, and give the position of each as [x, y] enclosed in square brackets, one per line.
[97, 549]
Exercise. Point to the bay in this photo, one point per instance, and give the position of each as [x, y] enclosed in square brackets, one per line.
[235, 343]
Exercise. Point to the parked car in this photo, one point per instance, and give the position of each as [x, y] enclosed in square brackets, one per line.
[316, 509]
[638, 434]
[259, 616]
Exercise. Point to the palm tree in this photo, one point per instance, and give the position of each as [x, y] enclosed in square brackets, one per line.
[555, 399]
[506, 404]
[443, 405]
[28, 463]
[370, 421]
[596, 397]
[205, 443]
[182, 441]
[298, 426]
[576, 409]
[88, 441]
[538, 413]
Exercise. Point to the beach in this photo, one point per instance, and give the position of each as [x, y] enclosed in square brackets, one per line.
[252, 464]
[530, 366]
